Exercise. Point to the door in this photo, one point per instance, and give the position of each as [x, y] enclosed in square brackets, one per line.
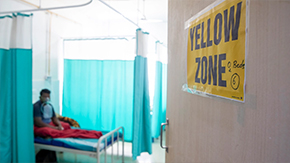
[218, 130]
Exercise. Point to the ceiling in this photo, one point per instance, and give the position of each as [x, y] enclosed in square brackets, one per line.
[150, 15]
[135, 10]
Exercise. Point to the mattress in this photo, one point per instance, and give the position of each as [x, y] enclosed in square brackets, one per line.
[77, 143]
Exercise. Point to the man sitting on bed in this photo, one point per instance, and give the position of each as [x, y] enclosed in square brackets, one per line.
[44, 116]
[43, 112]
[46, 124]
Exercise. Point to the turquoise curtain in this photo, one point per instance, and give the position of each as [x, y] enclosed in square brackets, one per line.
[98, 94]
[16, 116]
[159, 100]
[142, 141]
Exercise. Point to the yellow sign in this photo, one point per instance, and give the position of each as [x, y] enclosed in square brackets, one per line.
[216, 50]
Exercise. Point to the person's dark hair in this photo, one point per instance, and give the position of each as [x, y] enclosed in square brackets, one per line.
[44, 91]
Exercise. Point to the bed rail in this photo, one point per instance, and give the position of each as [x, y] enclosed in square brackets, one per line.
[105, 139]
[100, 146]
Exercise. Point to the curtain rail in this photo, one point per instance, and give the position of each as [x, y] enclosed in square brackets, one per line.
[99, 37]
[123, 16]
[51, 8]
[55, 8]
[119, 13]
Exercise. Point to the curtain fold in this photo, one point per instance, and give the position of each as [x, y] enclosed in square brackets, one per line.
[16, 114]
[160, 92]
[142, 141]
[159, 100]
[98, 94]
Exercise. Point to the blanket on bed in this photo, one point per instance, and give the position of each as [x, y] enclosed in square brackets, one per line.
[68, 120]
[66, 133]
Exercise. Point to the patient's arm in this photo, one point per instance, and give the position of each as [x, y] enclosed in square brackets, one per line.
[38, 122]
[57, 123]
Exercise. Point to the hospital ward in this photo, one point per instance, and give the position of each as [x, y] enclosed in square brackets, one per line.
[144, 81]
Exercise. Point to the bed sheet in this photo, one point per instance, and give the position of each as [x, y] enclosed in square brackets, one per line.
[76, 143]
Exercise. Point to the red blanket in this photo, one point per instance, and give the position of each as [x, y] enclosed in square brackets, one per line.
[66, 133]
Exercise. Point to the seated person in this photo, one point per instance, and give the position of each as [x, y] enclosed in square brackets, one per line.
[46, 124]
[43, 113]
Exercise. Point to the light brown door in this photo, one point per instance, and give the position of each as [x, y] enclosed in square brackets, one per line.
[218, 130]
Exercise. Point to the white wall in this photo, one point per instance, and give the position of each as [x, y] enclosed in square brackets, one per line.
[48, 33]
[48, 36]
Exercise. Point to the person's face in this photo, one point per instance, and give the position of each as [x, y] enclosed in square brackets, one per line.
[44, 96]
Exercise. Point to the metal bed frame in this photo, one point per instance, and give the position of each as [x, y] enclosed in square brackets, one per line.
[98, 152]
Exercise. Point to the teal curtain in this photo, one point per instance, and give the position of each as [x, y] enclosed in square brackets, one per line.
[98, 94]
[16, 116]
[159, 100]
[142, 140]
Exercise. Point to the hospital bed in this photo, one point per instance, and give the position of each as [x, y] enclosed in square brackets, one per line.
[91, 147]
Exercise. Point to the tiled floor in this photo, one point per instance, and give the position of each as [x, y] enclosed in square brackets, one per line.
[158, 155]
